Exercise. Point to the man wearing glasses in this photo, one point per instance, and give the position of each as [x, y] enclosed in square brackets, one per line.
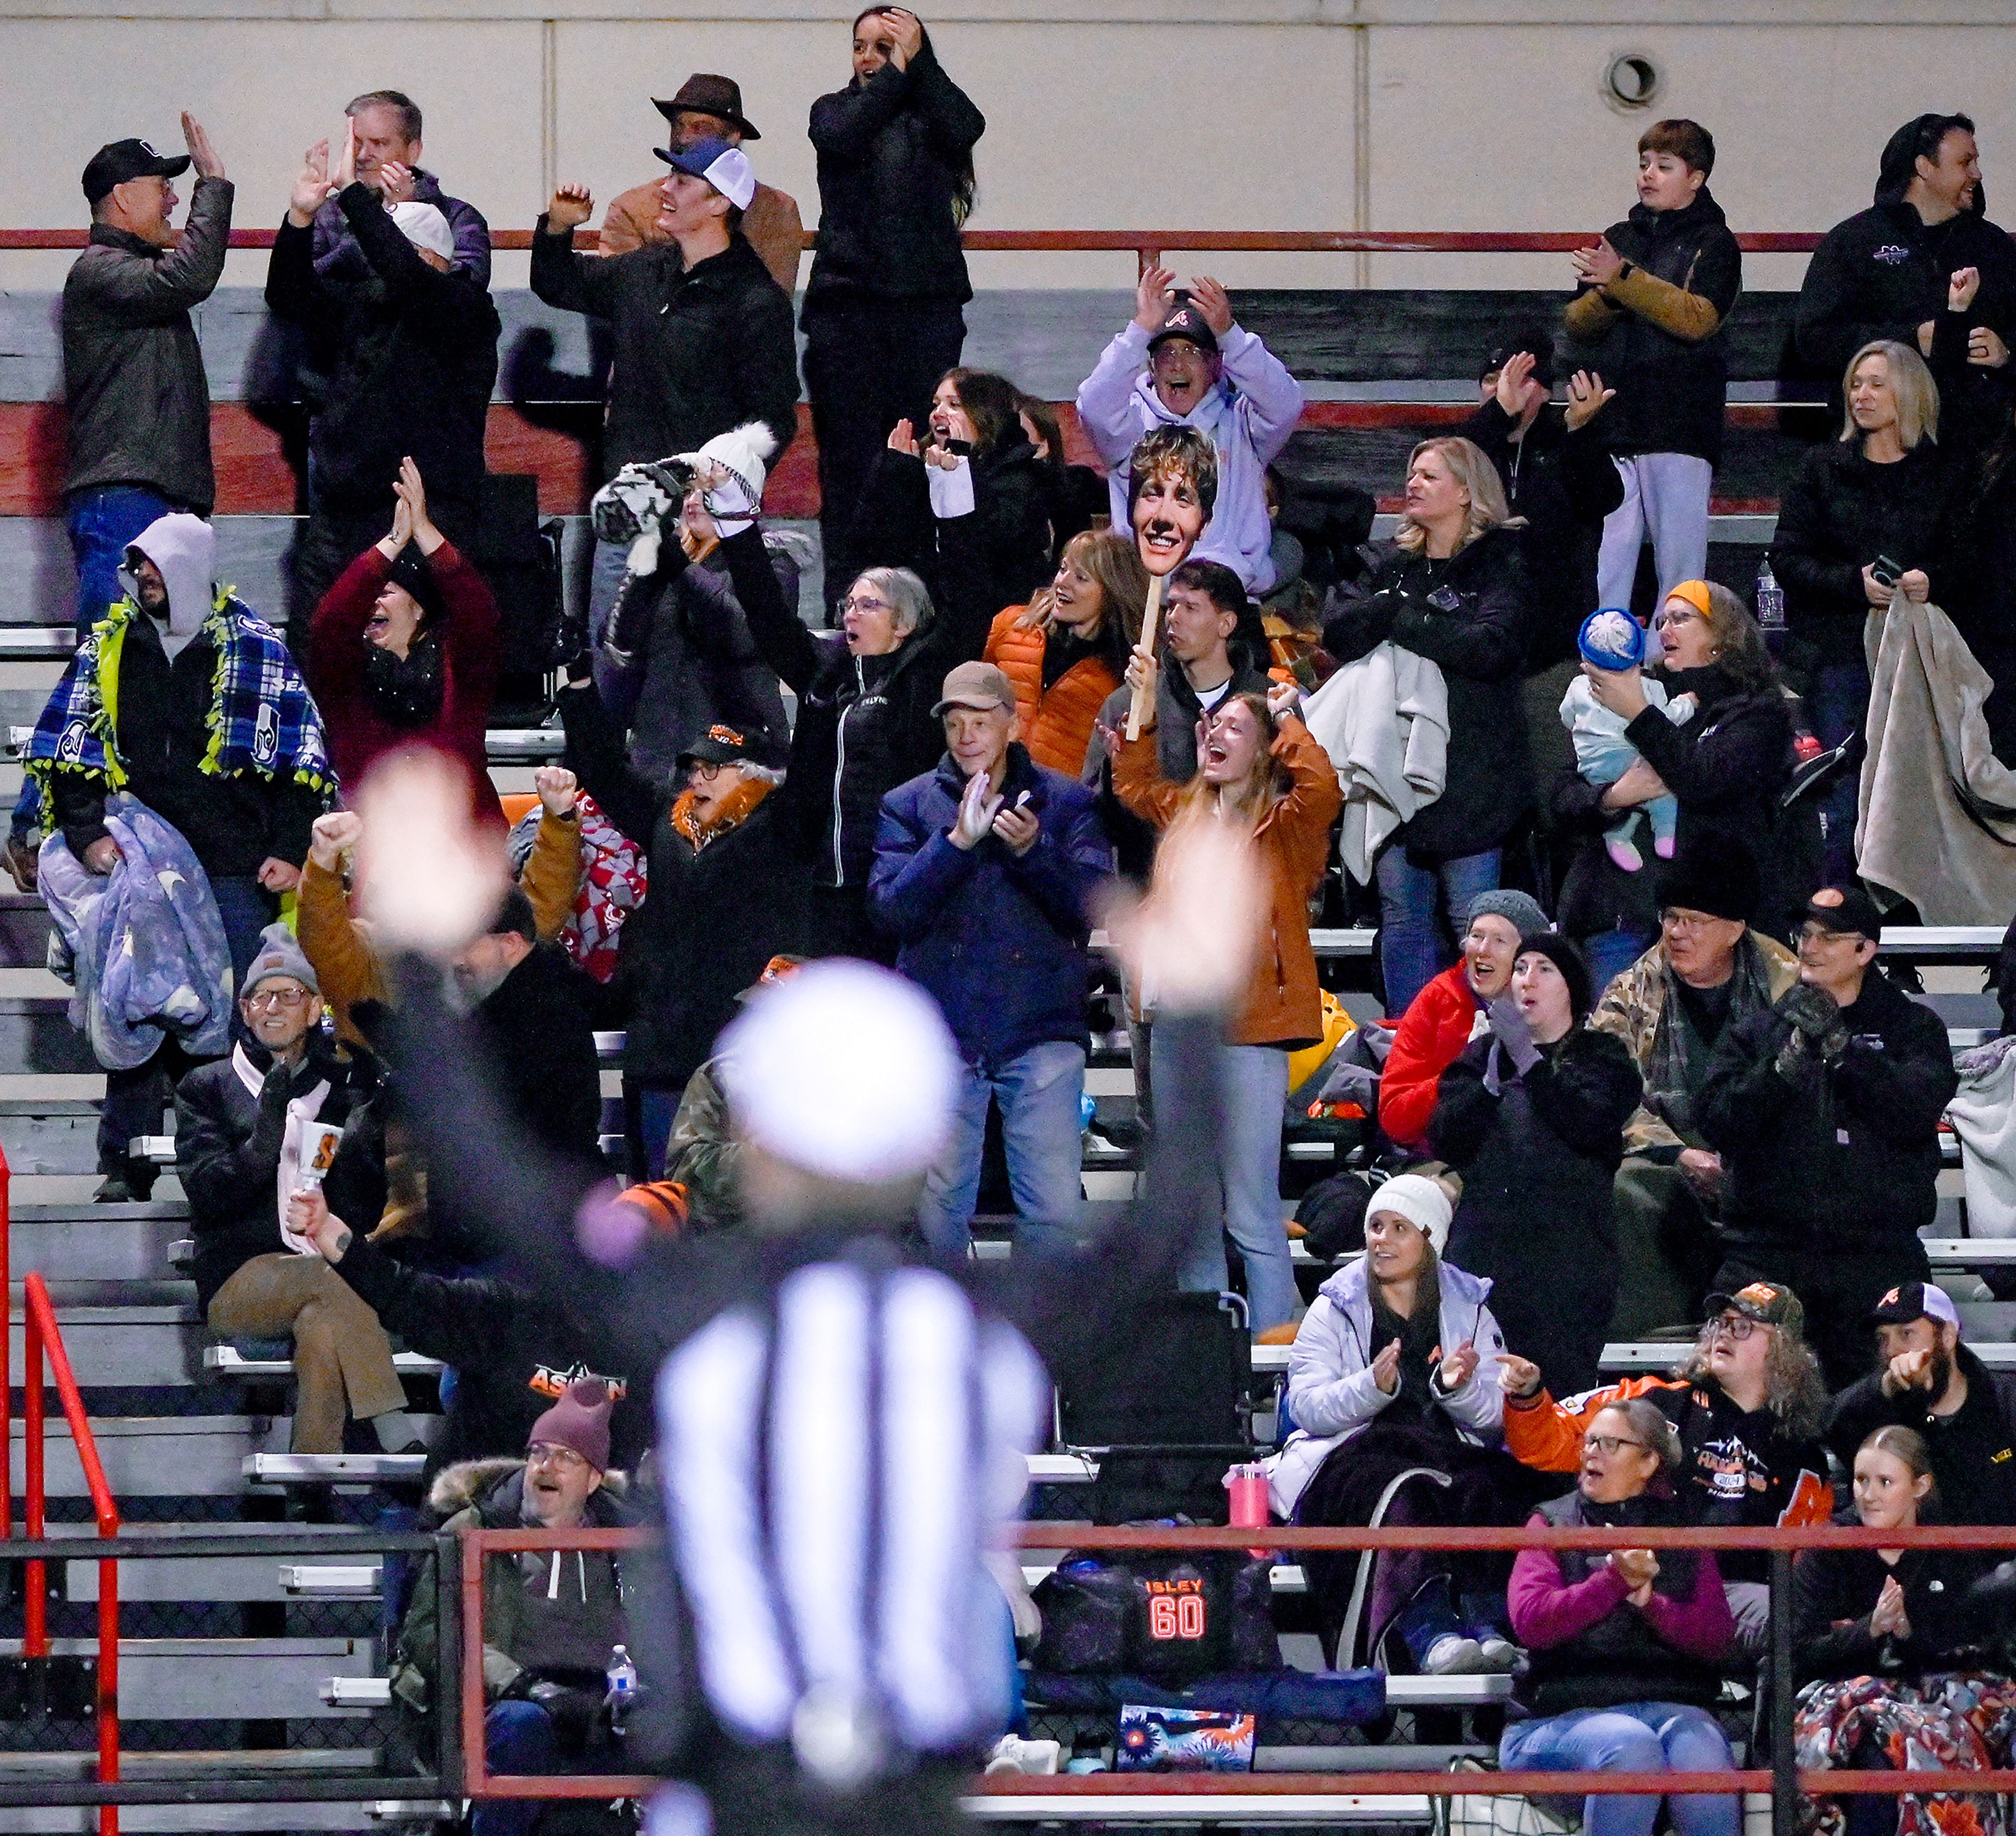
[1826, 1110]
[1707, 971]
[1746, 1402]
[249, 1129]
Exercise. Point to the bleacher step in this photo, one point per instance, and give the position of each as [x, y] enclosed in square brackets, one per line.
[106, 1243]
[172, 1578]
[127, 1346]
[225, 1679]
[158, 1456]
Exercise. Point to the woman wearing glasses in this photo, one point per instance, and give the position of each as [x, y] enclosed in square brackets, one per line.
[1622, 1646]
[1725, 767]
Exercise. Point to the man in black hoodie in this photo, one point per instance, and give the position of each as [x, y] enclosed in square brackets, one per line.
[1825, 1109]
[1927, 1381]
[1655, 291]
[1883, 273]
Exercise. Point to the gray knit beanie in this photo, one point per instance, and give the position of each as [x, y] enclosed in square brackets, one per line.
[280, 954]
[1519, 910]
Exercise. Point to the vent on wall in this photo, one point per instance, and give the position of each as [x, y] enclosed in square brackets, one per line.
[1631, 81]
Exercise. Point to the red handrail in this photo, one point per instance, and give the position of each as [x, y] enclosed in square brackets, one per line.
[41, 1335]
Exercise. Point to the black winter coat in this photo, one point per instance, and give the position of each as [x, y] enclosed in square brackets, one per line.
[1842, 1159]
[514, 1354]
[1469, 615]
[711, 916]
[865, 724]
[228, 1153]
[538, 1026]
[1835, 1591]
[1563, 485]
[1671, 389]
[1973, 574]
[1727, 766]
[974, 565]
[400, 363]
[890, 148]
[696, 351]
[232, 823]
[1838, 514]
[1973, 1457]
[1535, 1218]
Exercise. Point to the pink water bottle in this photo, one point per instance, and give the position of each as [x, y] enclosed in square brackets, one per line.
[1247, 1484]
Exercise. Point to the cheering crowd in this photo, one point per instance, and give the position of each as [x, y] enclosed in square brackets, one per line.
[1644, 1070]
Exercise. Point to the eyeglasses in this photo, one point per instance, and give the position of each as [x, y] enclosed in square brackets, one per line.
[271, 1000]
[1819, 934]
[857, 605]
[545, 1453]
[1737, 1327]
[708, 768]
[1690, 921]
[1665, 621]
[1610, 1446]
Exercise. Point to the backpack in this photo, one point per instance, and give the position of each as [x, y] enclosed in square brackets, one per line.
[1174, 1615]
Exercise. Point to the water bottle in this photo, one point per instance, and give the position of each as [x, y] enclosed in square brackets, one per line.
[1770, 602]
[1247, 1484]
[622, 1678]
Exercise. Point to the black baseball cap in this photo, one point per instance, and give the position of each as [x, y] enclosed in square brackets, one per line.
[1184, 321]
[1844, 909]
[722, 744]
[119, 161]
[1915, 1300]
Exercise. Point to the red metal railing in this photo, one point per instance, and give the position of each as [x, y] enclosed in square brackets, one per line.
[42, 1337]
[1782, 1780]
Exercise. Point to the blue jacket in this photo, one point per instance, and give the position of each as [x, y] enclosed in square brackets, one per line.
[999, 941]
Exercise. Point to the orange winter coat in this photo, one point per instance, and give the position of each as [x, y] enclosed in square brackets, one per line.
[1057, 725]
[1283, 1003]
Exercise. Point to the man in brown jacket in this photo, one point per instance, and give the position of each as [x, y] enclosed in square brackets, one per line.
[710, 108]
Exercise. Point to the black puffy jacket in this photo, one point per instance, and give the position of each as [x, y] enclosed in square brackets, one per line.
[891, 148]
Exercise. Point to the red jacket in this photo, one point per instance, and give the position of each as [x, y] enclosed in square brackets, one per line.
[1431, 1036]
[358, 734]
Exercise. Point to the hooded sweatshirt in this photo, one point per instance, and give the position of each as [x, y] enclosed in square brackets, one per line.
[1249, 415]
[184, 548]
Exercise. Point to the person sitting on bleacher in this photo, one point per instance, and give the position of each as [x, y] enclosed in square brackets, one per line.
[1394, 1372]
[1894, 1653]
[1925, 1379]
[1747, 1401]
[1709, 970]
[1825, 1109]
[1622, 1648]
[248, 1129]
[552, 1619]
[403, 649]
[1442, 1019]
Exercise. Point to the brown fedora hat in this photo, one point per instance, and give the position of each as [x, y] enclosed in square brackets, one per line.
[710, 96]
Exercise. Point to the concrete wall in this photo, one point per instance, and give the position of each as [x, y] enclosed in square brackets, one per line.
[1104, 113]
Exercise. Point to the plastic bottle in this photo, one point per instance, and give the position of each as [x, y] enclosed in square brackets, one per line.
[1770, 601]
[1247, 1485]
[622, 1677]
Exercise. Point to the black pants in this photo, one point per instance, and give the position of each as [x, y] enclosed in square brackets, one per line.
[761, 1793]
[868, 364]
[1838, 1291]
[837, 924]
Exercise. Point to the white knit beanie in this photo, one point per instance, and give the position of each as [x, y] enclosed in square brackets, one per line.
[745, 452]
[426, 226]
[1421, 1201]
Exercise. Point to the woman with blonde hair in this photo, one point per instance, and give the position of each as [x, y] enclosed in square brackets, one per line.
[1257, 766]
[1857, 526]
[1065, 651]
[1452, 588]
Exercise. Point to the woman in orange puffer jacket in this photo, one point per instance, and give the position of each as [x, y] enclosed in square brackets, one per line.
[1067, 650]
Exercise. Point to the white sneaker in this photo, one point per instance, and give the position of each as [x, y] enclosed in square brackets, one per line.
[1499, 1654]
[1453, 1655]
[1013, 1753]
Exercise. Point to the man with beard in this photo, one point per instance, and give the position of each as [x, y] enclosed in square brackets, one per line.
[1927, 1381]
[403, 651]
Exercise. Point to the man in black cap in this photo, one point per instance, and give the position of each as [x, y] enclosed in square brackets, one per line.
[1709, 970]
[1825, 1109]
[1927, 1381]
[1554, 464]
[1884, 272]
[710, 108]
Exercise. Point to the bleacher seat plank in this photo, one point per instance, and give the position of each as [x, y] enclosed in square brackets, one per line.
[1285, 1809]
[335, 1468]
[223, 1680]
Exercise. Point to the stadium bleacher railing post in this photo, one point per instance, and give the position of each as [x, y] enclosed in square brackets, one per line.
[1784, 1756]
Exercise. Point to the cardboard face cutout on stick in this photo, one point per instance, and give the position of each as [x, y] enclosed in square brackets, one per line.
[1168, 518]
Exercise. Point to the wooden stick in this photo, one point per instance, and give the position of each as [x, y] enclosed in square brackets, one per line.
[1151, 620]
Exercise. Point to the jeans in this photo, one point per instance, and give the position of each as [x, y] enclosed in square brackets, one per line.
[1609, 953]
[1253, 1092]
[1038, 1091]
[1411, 901]
[1632, 1737]
[1665, 497]
[134, 1099]
[648, 1111]
[103, 522]
[1837, 704]
[517, 1737]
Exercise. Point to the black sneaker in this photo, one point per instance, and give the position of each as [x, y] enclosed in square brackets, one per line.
[125, 1186]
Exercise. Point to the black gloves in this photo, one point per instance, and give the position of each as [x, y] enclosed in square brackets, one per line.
[1818, 1031]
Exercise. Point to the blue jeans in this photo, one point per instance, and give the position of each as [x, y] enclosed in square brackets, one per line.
[1039, 1092]
[103, 522]
[1609, 953]
[1837, 704]
[517, 1737]
[1632, 1737]
[1253, 1093]
[1411, 947]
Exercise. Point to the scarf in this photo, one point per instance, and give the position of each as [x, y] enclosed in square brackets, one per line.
[733, 810]
[262, 718]
[306, 1148]
[407, 691]
[1674, 1067]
